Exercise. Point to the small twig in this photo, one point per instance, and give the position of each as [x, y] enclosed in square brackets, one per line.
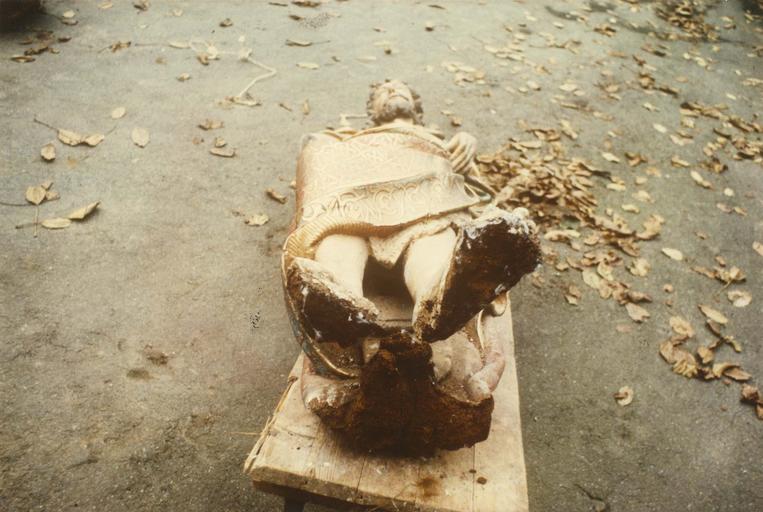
[44, 124]
[36, 220]
[270, 72]
[132, 45]
[3, 203]
[25, 225]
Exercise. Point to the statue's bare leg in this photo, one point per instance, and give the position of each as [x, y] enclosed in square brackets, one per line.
[426, 261]
[452, 276]
[344, 256]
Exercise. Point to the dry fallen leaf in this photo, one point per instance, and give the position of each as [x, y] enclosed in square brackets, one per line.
[94, 140]
[48, 152]
[81, 213]
[35, 195]
[57, 223]
[118, 113]
[718, 369]
[683, 362]
[699, 180]
[610, 157]
[705, 354]
[22, 58]
[308, 65]
[572, 295]
[660, 128]
[739, 298]
[256, 220]
[673, 254]
[591, 279]
[652, 227]
[713, 314]
[210, 124]
[298, 42]
[758, 247]
[639, 267]
[624, 396]
[223, 152]
[637, 313]
[140, 137]
[643, 196]
[69, 137]
[737, 374]
[276, 195]
[183, 77]
[676, 161]
[682, 327]
[561, 235]
[750, 394]
[568, 130]
[605, 271]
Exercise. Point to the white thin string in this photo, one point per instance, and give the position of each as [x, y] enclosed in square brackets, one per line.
[245, 55]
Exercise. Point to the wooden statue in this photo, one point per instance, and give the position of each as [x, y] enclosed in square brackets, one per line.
[395, 266]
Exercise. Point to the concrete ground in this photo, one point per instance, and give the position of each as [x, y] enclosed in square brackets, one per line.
[94, 417]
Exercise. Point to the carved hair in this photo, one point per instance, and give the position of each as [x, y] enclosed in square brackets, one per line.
[378, 118]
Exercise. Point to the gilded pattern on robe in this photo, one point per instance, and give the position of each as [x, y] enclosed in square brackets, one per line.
[373, 183]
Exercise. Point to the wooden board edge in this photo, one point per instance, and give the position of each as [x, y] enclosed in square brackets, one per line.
[249, 463]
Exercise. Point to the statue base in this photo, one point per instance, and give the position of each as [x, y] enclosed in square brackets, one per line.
[299, 457]
[397, 405]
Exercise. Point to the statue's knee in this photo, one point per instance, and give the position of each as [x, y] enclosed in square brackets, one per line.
[342, 247]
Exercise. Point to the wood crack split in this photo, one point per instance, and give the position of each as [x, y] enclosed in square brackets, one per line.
[277, 430]
[360, 477]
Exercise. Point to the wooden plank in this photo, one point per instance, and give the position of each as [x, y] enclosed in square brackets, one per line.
[296, 452]
[500, 458]
[333, 471]
[388, 482]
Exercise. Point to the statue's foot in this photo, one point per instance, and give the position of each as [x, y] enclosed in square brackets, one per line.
[334, 312]
[492, 253]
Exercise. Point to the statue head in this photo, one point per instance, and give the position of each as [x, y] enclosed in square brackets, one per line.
[392, 100]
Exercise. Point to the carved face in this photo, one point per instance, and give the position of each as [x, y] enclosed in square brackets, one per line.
[392, 100]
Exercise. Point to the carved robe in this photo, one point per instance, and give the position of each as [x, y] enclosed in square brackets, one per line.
[389, 184]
